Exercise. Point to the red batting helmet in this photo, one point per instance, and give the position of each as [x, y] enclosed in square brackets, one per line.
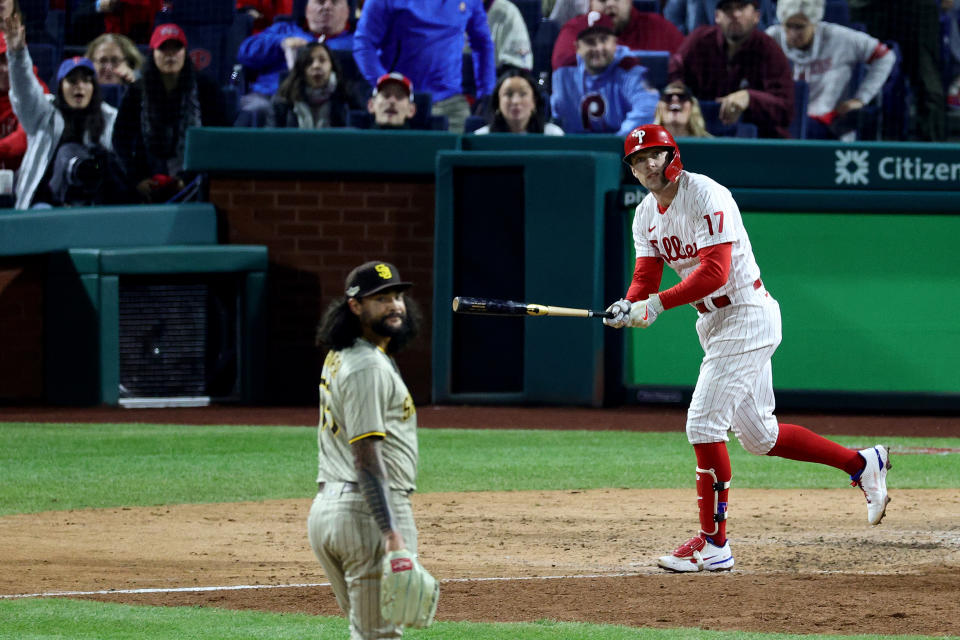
[653, 135]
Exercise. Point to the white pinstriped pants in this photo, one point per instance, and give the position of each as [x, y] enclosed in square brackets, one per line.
[735, 386]
[348, 543]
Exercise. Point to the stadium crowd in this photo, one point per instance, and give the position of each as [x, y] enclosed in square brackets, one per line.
[96, 95]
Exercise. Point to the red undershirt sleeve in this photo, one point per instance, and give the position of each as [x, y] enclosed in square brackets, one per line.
[646, 278]
[712, 274]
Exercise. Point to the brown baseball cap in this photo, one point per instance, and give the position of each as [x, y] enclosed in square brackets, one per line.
[373, 277]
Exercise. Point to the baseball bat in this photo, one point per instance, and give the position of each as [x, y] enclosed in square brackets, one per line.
[493, 307]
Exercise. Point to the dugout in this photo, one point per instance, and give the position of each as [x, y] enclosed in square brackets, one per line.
[131, 306]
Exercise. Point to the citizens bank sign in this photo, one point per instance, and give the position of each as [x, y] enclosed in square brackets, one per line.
[857, 167]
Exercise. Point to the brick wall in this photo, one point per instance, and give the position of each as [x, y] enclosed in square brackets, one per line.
[316, 231]
[21, 325]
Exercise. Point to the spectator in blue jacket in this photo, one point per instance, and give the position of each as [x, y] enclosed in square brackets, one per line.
[423, 40]
[271, 53]
[607, 91]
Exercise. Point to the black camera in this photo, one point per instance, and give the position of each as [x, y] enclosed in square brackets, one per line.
[85, 171]
[78, 174]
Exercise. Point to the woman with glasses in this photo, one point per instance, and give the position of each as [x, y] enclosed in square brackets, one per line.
[116, 59]
[678, 111]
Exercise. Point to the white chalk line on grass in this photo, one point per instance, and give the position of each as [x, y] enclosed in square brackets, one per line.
[241, 587]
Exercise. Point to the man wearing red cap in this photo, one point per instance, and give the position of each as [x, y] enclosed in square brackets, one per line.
[392, 102]
[636, 30]
[13, 139]
[693, 224]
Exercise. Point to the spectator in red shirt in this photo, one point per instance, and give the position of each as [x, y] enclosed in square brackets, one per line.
[264, 11]
[133, 18]
[739, 66]
[636, 30]
[13, 139]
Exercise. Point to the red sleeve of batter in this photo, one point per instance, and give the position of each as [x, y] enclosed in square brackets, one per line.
[646, 278]
[712, 274]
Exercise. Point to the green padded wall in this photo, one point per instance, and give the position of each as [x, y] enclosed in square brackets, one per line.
[869, 303]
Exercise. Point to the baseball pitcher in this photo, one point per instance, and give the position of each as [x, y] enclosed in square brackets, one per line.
[692, 223]
[361, 524]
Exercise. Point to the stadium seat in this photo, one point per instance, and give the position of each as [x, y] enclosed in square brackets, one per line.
[47, 60]
[206, 12]
[56, 25]
[711, 115]
[212, 30]
[209, 50]
[473, 123]
[35, 22]
[542, 44]
[947, 64]
[656, 64]
[359, 87]
[531, 12]
[801, 99]
[895, 98]
[837, 12]
[113, 93]
[650, 6]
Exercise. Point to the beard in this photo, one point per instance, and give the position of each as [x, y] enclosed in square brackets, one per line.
[382, 328]
[403, 333]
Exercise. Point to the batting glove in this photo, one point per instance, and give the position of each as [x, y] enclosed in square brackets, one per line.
[644, 312]
[621, 311]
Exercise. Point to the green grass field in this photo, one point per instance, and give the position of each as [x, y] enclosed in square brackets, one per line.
[73, 466]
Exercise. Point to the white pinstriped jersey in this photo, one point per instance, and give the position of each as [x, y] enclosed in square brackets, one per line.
[702, 214]
[363, 394]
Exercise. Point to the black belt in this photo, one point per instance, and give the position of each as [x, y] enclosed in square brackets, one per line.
[721, 301]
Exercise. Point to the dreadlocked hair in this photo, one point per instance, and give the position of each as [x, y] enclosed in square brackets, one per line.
[339, 327]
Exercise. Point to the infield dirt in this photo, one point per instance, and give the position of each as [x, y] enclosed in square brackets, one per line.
[807, 561]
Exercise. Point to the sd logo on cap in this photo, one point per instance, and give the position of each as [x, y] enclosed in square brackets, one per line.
[373, 277]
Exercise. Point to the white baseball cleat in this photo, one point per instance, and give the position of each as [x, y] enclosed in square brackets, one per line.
[872, 480]
[698, 554]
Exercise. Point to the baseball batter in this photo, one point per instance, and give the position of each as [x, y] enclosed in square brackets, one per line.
[692, 223]
[367, 445]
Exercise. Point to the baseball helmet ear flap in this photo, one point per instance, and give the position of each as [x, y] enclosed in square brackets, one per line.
[653, 135]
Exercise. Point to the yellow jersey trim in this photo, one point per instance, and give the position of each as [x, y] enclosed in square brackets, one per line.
[372, 434]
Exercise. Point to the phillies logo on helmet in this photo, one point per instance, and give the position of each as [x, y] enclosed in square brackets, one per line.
[647, 136]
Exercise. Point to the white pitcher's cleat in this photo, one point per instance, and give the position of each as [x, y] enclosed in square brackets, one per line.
[872, 480]
[698, 554]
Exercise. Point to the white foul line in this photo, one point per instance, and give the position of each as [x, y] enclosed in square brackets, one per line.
[60, 594]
